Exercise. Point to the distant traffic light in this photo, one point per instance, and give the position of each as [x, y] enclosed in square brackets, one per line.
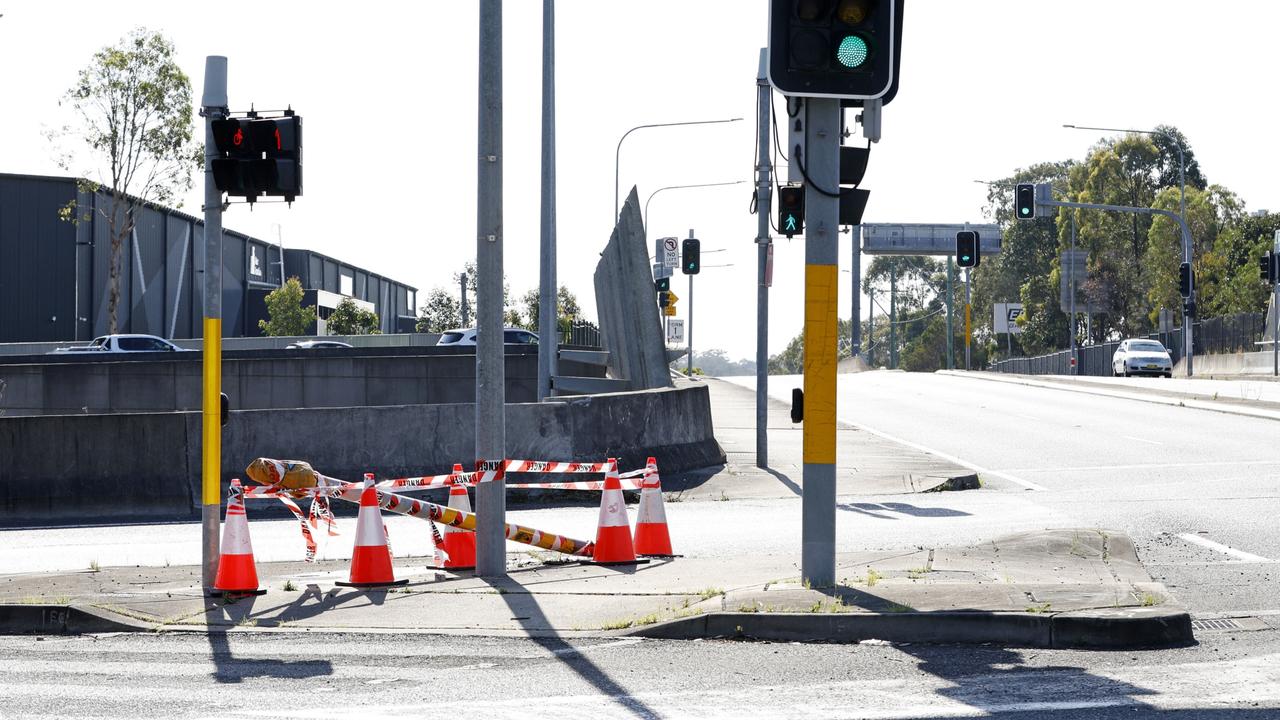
[1024, 201]
[968, 253]
[1186, 280]
[791, 209]
[691, 256]
[835, 48]
[662, 284]
[258, 156]
[1268, 266]
[664, 299]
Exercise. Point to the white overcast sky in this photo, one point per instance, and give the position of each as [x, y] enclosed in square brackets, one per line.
[388, 93]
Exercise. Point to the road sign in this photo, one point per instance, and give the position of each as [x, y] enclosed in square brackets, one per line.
[924, 239]
[675, 331]
[674, 297]
[1075, 261]
[1006, 317]
[661, 271]
[669, 311]
[670, 252]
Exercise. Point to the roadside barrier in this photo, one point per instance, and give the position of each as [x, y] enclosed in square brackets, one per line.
[371, 559]
[237, 574]
[652, 537]
[459, 545]
[613, 532]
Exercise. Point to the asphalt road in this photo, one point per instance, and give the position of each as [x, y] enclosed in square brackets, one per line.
[240, 676]
[1199, 491]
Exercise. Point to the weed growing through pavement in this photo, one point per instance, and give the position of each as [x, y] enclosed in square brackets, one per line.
[93, 565]
[710, 592]
[1147, 599]
[873, 577]
[748, 608]
[289, 586]
[1037, 609]
[917, 573]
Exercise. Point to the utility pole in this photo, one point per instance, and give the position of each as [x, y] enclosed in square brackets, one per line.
[548, 342]
[871, 326]
[491, 499]
[214, 106]
[855, 313]
[1071, 275]
[1275, 311]
[968, 327]
[466, 311]
[764, 203]
[821, 161]
[893, 314]
[951, 335]
[689, 345]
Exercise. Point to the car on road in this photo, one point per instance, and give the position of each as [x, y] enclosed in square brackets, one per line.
[122, 343]
[1141, 357]
[316, 345]
[467, 337]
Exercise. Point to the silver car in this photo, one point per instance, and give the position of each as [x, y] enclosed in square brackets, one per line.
[1141, 357]
[467, 337]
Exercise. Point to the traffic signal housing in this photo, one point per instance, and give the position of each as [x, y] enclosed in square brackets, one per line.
[835, 48]
[662, 284]
[1185, 280]
[1024, 201]
[968, 252]
[258, 156]
[1268, 264]
[791, 209]
[691, 256]
[664, 299]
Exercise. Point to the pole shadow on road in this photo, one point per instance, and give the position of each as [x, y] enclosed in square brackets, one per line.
[230, 669]
[525, 609]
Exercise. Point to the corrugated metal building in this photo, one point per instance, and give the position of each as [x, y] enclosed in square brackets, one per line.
[54, 273]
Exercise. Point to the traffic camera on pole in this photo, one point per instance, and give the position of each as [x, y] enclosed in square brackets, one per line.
[791, 209]
[968, 252]
[835, 48]
[691, 256]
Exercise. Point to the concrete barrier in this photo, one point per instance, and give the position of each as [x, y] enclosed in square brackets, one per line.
[110, 468]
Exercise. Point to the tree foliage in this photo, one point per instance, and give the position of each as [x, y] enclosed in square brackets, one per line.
[132, 109]
[288, 317]
[351, 319]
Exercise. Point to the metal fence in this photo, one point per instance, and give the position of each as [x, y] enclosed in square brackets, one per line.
[581, 334]
[1213, 336]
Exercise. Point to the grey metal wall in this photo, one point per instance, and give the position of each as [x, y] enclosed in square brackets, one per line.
[48, 267]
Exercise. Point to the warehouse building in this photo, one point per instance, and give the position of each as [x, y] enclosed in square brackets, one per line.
[54, 273]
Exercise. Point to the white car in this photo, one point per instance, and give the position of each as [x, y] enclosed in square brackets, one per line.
[316, 345]
[1141, 357]
[124, 344]
[467, 337]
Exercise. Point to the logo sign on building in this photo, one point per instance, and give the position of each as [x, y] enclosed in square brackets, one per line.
[675, 331]
[1006, 318]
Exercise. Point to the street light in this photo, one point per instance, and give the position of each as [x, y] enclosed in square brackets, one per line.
[678, 187]
[1182, 214]
[617, 153]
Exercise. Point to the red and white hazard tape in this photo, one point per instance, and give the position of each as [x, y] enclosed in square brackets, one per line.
[549, 466]
[627, 484]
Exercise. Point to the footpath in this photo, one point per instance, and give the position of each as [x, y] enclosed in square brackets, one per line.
[1060, 588]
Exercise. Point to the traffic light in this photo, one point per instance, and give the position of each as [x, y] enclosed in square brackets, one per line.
[1267, 264]
[1024, 201]
[968, 253]
[690, 256]
[1185, 280]
[664, 299]
[835, 48]
[791, 209]
[258, 156]
[662, 284]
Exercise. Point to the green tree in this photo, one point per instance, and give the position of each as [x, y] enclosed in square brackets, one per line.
[441, 312]
[132, 109]
[351, 319]
[567, 309]
[288, 317]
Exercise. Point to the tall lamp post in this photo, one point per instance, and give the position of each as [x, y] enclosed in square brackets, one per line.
[1182, 213]
[617, 153]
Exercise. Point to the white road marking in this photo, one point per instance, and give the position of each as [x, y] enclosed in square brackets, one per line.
[949, 458]
[1133, 437]
[1142, 466]
[1238, 554]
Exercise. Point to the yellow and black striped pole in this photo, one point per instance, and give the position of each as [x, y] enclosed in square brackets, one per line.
[213, 107]
[821, 167]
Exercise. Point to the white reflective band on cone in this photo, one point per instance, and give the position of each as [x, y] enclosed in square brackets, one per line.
[613, 511]
[369, 528]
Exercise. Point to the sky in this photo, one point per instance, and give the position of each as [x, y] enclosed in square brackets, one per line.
[388, 93]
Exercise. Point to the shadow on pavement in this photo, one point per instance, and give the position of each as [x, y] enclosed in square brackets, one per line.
[230, 669]
[525, 609]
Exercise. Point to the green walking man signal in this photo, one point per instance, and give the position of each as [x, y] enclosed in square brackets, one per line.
[791, 209]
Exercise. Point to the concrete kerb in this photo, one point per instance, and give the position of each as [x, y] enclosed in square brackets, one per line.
[1069, 386]
[34, 619]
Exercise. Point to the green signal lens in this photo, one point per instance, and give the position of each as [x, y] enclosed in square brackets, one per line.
[852, 52]
[1026, 211]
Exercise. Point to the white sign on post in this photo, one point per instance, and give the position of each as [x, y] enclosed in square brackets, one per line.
[670, 252]
[675, 331]
[1006, 318]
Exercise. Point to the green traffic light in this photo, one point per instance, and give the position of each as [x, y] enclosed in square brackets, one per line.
[1026, 211]
[852, 52]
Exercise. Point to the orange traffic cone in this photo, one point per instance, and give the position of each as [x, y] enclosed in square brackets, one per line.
[236, 572]
[613, 534]
[459, 544]
[371, 559]
[652, 537]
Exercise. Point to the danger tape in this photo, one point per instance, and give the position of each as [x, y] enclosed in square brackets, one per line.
[628, 484]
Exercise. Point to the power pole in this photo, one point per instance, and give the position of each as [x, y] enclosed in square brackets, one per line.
[968, 326]
[548, 342]
[764, 203]
[466, 309]
[951, 335]
[821, 160]
[491, 498]
[855, 312]
[214, 106]
[689, 344]
[893, 315]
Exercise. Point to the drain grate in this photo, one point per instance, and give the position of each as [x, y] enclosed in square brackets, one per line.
[1215, 624]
